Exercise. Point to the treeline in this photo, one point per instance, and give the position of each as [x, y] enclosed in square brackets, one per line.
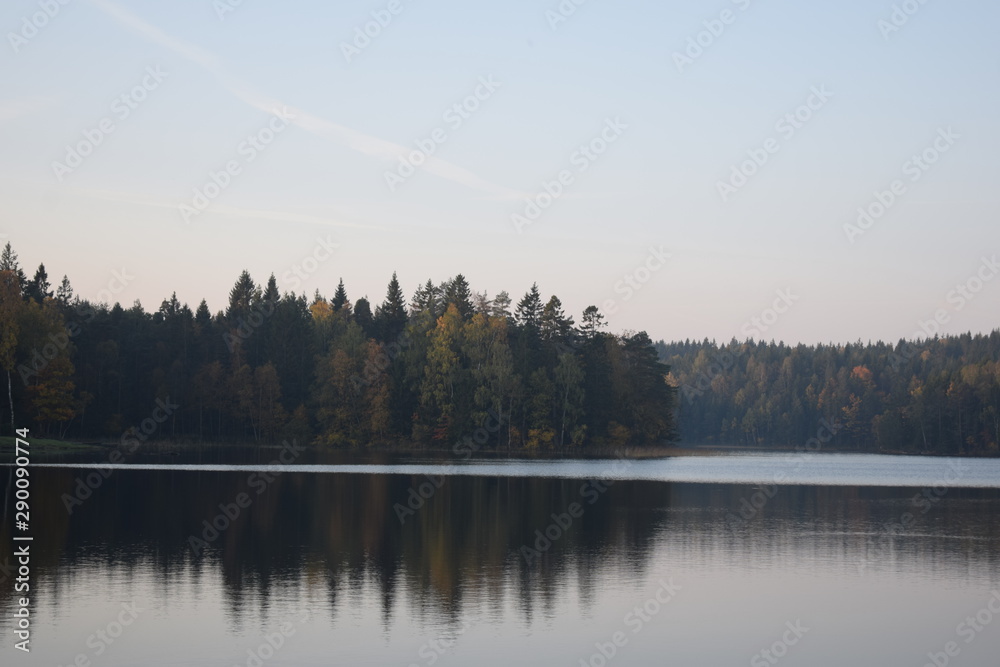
[451, 366]
[935, 396]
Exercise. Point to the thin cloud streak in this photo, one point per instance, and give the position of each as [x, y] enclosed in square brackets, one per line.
[353, 139]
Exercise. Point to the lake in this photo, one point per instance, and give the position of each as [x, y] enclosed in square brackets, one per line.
[701, 560]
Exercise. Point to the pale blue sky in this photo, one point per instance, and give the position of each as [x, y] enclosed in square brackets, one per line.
[656, 185]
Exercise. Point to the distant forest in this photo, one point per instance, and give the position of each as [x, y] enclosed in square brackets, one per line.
[933, 396]
[451, 367]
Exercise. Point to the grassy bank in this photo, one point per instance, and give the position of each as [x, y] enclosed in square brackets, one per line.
[44, 445]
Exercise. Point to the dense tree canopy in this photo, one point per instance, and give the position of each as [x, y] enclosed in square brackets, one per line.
[938, 395]
[453, 365]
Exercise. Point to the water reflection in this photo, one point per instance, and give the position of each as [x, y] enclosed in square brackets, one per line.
[338, 542]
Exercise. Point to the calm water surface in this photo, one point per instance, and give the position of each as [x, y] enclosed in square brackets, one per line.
[694, 561]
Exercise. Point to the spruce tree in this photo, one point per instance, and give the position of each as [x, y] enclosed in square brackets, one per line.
[457, 292]
[363, 316]
[529, 309]
[241, 298]
[391, 316]
[555, 326]
[339, 297]
[38, 289]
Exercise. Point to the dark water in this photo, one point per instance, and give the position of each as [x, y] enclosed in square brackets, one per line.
[337, 569]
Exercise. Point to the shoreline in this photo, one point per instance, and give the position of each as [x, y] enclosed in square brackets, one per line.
[52, 446]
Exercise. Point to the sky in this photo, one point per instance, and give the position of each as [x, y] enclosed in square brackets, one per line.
[805, 172]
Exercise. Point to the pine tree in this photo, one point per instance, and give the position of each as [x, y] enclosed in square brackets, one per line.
[648, 405]
[169, 307]
[529, 309]
[427, 299]
[271, 295]
[38, 289]
[363, 316]
[65, 292]
[202, 316]
[241, 298]
[500, 306]
[272, 336]
[391, 315]
[592, 321]
[457, 292]
[339, 297]
[481, 303]
[555, 326]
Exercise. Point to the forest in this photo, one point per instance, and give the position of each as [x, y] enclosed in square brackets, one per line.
[939, 395]
[448, 366]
